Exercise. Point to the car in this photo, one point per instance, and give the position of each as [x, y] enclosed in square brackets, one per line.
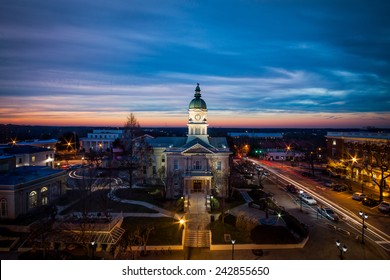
[259, 168]
[339, 188]
[308, 199]
[329, 184]
[328, 213]
[384, 207]
[358, 196]
[291, 189]
[368, 201]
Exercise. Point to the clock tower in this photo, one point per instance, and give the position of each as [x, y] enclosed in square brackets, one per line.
[197, 118]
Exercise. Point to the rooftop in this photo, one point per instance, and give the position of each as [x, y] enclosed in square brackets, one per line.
[359, 135]
[23, 149]
[27, 174]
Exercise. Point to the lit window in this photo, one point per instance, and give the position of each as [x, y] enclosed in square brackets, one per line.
[334, 142]
[33, 199]
[44, 195]
[33, 159]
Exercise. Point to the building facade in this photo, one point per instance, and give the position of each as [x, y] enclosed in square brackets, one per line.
[26, 155]
[24, 189]
[100, 139]
[361, 156]
[196, 163]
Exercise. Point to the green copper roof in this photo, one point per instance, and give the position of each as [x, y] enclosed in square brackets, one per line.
[197, 102]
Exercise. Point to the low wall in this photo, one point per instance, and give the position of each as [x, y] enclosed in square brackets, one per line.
[225, 247]
[158, 248]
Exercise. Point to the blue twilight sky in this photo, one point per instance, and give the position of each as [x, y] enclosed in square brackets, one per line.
[260, 63]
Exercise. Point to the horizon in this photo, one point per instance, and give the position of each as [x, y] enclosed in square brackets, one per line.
[278, 63]
[210, 127]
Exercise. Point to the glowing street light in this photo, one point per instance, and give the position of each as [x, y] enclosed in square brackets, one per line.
[364, 217]
[93, 245]
[300, 199]
[343, 249]
[233, 241]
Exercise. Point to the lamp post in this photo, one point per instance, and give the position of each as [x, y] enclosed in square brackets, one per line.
[364, 217]
[233, 241]
[93, 249]
[300, 199]
[343, 249]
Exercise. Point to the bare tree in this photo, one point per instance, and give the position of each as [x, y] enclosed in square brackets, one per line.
[381, 163]
[137, 152]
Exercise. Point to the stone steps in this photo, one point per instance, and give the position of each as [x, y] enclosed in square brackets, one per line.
[197, 238]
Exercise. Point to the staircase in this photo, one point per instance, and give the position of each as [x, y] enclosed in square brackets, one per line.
[197, 231]
[197, 238]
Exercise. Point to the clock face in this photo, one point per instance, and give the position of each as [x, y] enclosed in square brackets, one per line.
[197, 117]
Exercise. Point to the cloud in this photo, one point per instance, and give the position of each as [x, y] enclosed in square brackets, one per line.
[289, 57]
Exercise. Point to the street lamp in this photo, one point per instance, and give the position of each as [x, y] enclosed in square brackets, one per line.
[300, 199]
[182, 222]
[364, 217]
[233, 241]
[93, 244]
[342, 249]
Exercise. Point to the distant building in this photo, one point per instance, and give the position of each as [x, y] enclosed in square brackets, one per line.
[196, 163]
[262, 135]
[23, 189]
[283, 154]
[100, 139]
[26, 155]
[46, 144]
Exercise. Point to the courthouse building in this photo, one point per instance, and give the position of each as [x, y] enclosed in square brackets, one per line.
[196, 163]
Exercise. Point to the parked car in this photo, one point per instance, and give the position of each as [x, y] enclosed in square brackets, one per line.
[291, 189]
[329, 184]
[384, 207]
[308, 199]
[367, 201]
[328, 213]
[339, 188]
[358, 196]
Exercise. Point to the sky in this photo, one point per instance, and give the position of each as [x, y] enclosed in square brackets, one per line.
[260, 63]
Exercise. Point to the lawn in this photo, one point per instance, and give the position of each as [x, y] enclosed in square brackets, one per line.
[261, 234]
[218, 230]
[150, 195]
[99, 202]
[166, 231]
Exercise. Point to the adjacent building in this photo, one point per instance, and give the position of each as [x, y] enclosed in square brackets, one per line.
[26, 155]
[361, 156]
[24, 189]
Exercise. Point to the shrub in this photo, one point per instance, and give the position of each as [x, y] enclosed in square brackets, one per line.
[214, 203]
[294, 225]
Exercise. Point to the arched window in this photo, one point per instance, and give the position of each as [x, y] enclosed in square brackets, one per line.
[44, 196]
[32, 199]
[3, 208]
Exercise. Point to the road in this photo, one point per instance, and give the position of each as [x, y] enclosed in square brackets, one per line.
[377, 224]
